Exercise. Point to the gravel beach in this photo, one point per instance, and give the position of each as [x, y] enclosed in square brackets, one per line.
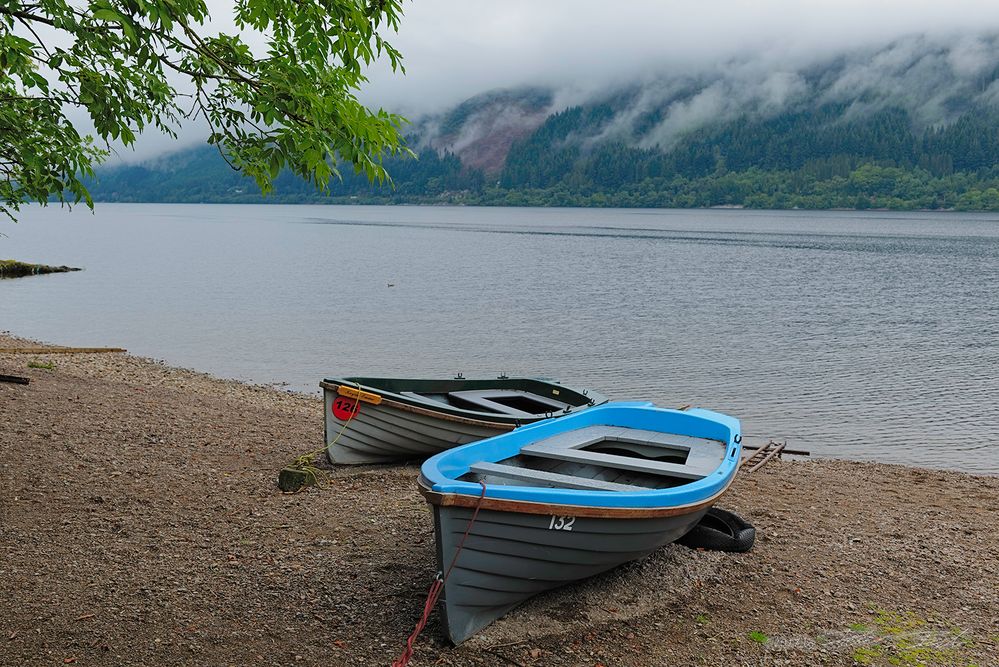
[141, 524]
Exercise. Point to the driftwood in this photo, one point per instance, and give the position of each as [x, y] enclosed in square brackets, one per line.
[795, 452]
[763, 455]
[15, 379]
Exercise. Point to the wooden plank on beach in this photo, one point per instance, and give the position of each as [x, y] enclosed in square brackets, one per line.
[59, 350]
[15, 379]
[763, 455]
[795, 452]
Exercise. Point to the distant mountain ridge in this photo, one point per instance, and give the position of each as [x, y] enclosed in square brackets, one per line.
[923, 115]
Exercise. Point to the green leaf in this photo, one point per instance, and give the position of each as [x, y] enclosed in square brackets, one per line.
[120, 62]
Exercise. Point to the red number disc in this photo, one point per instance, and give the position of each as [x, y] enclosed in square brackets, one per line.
[344, 407]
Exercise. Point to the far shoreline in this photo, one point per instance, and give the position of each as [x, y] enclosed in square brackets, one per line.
[277, 201]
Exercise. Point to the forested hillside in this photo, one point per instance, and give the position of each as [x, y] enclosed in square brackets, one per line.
[914, 125]
[806, 160]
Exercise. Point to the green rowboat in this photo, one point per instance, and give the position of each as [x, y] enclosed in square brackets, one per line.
[379, 420]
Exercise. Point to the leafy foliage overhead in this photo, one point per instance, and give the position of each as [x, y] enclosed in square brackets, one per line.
[138, 64]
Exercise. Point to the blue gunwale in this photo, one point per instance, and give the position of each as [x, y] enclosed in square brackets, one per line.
[442, 470]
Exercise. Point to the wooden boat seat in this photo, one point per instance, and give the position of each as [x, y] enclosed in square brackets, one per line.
[553, 478]
[485, 399]
[703, 455]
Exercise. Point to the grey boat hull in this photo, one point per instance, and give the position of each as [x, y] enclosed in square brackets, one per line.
[511, 556]
[386, 432]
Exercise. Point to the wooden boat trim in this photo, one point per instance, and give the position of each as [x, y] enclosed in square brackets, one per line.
[388, 402]
[558, 509]
[366, 396]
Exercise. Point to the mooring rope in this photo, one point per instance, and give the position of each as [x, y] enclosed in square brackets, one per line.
[303, 462]
[436, 588]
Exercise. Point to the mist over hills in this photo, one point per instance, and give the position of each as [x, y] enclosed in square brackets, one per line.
[911, 124]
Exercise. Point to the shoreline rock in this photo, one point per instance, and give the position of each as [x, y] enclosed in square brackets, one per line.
[11, 268]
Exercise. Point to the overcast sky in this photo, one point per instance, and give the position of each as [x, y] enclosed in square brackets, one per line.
[457, 48]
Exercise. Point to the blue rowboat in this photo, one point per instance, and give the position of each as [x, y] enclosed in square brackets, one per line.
[565, 499]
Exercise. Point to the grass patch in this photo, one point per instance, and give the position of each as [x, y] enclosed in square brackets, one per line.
[867, 655]
[47, 365]
[758, 637]
[702, 619]
[904, 639]
[895, 623]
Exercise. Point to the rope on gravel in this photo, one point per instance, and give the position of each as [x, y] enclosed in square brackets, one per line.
[303, 462]
[436, 588]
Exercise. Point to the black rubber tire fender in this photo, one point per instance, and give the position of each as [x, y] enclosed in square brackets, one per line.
[721, 530]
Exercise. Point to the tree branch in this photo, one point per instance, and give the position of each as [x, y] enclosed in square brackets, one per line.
[24, 16]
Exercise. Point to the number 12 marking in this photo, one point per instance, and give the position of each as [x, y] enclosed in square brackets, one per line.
[561, 523]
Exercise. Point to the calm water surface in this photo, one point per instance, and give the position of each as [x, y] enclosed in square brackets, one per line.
[857, 335]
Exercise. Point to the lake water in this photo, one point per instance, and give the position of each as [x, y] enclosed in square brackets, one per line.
[854, 335]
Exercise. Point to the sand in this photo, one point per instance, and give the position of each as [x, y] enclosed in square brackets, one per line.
[141, 524]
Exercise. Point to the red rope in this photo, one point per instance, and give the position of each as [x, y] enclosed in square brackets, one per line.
[436, 588]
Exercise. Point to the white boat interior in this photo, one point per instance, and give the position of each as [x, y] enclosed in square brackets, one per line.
[605, 458]
[512, 402]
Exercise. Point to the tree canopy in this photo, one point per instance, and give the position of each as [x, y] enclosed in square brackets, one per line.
[278, 94]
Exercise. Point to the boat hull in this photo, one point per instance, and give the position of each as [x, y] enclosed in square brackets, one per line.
[628, 479]
[510, 556]
[389, 432]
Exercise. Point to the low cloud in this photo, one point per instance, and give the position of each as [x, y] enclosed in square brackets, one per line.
[698, 61]
[456, 50]
[935, 79]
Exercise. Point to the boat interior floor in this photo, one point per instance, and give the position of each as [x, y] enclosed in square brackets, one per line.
[605, 458]
[513, 403]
